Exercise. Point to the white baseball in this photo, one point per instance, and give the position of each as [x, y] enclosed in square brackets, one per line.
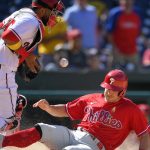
[64, 62]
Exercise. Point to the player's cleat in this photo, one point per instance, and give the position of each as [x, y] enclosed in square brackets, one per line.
[10, 126]
[20, 105]
[1, 140]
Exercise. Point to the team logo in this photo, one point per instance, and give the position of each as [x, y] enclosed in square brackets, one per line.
[102, 116]
[112, 80]
[113, 109]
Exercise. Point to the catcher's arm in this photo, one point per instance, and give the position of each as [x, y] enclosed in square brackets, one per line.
[33, 63]
[29, 69]
[54, 110]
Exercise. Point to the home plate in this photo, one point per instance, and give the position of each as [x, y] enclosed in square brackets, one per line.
[35, 146]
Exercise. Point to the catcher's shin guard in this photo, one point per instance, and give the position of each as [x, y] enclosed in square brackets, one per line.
[20, 105]
[9, 127]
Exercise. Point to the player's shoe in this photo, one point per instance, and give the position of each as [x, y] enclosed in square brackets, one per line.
[20, 105]
[1, 140]
[9, 127]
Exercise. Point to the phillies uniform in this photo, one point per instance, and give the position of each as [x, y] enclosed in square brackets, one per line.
[24, 25]
[103, 126]
[110, 123]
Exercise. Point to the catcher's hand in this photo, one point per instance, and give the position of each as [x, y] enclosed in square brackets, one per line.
[32, 63]
[28, 73]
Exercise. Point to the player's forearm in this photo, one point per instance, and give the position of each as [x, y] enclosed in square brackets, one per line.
[57, 110]
[145, 142]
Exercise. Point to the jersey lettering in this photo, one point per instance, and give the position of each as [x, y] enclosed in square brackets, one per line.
[101, 116]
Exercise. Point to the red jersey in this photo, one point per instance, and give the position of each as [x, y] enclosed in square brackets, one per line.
[146, 58]
[109, 122]
[126, 31]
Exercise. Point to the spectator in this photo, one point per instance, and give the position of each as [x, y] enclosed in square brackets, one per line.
[102, 12]
[100, 6]
[72, 51]
[106, 58]
[145, 108]
[146, 59]
[146, 55]
[51, 39]
[93, 60]
[67, 3]
[76, 56]
[124, 27]
[83, 17]
[144, 7]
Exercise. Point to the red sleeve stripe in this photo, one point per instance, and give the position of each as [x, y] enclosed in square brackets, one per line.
[11, 35]
[143, 131]
[1, 25]
[66, 106]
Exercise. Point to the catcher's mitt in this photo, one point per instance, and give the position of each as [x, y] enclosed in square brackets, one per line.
[25, 73]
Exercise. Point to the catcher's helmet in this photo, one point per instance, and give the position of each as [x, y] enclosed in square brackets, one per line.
[115, 80]
[51, 4]
[56, 7]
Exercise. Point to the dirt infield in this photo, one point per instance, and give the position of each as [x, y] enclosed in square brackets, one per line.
[35, 146]
[130, 143]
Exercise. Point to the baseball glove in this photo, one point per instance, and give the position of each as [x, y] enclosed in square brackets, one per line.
[26, 74]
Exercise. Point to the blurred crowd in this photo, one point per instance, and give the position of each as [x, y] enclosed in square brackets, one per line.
[145, 108]
[94, 35]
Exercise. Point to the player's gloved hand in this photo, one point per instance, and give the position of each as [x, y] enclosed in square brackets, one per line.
[26, 73]
[43, 104]
[32, 63]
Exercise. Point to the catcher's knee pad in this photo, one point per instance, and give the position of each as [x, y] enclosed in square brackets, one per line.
[21, 103]
[10, 126]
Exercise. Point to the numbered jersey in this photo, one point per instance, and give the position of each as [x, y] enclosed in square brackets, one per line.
[25, 25]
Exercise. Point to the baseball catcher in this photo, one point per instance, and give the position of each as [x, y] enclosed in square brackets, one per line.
[22, 32]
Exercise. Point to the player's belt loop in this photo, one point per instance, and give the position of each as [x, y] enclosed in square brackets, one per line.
[97, 141]
[83, 130]
[0, 66]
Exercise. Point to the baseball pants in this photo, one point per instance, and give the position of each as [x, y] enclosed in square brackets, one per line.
[8, 95]
[61, 138]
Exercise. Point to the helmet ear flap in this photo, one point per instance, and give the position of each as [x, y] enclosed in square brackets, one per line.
[121, 93]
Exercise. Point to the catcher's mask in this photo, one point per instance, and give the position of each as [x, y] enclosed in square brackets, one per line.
[116, 80]
[55, 6]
